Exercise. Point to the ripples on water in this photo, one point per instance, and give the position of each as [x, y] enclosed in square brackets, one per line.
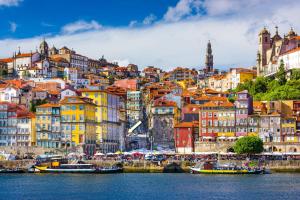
[149, 186]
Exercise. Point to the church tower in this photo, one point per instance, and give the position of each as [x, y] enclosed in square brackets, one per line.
[209, 60]
[44, 49]
[264, 44]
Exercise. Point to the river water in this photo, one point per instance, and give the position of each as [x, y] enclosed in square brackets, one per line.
[149, 186]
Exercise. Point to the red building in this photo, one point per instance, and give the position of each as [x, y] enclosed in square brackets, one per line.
[185, 133]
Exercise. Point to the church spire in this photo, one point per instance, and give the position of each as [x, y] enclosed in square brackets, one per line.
[209, 58]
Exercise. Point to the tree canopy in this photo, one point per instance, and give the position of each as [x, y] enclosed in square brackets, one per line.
[269, 89]
[248, 145]
[281, 75]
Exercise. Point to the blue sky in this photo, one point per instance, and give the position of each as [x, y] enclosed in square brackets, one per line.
[163, 33]
[47, 17]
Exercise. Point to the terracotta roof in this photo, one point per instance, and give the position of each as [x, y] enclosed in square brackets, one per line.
[164, 103]
[76, 100]
[257, 104]
[291, 51]
[211, 98]
[6, 60]
[218, 104]
[23, 55]
[187, 124]
[48, 105]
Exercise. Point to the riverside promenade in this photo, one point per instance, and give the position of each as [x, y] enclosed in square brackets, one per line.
[143, 166]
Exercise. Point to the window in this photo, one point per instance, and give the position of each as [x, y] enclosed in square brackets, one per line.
[81, 107]
[73, 107]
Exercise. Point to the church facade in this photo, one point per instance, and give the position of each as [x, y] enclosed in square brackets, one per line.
[274, 50]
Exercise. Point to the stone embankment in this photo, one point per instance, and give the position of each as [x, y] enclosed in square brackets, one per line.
[164, 167]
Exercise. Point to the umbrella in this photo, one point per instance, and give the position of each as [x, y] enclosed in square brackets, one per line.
[99, 154]
[119, 152]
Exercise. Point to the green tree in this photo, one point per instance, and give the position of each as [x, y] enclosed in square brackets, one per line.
[295, 74]
[281, 75]
[260, 85]
[248, 145]
[36, 103]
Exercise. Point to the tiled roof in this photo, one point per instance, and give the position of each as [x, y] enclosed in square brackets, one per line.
[187, 124]
[48, 105]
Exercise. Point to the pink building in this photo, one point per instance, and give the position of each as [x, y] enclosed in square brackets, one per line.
[131, 84]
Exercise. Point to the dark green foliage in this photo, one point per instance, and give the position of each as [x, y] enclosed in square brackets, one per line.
[248, 145]
[295, 74]
[37, 103]
[268, 89]
[281, 75]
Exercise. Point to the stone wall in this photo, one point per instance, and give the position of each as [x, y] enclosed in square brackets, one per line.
[280, 147]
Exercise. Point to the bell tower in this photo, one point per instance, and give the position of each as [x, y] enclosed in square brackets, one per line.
[264, 44]
[209, 59]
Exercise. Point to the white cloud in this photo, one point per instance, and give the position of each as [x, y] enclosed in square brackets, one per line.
[133, 23]
[80, 26]
[9, 3]
[13, 27]
[182, 9]
[149, 19]
[181, 43]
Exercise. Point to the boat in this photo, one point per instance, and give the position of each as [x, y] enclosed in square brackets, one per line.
[79, 167]
[12, 171]
[67, 168]
[110, 170]
[213, 167]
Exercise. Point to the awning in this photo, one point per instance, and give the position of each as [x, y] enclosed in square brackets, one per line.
[222, 137]
[205, 153]
[207, 137]
[232, 138]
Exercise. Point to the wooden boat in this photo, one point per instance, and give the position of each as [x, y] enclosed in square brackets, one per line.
[212, 167]
[68, 168]
[57, 167]
[12, 171]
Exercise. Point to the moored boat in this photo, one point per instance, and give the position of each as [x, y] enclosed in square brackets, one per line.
[110, 170]
[78, 167]
[12, 171]
[213, 167]
[68, 168]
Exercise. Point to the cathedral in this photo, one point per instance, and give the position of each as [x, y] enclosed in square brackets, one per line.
[272, 50]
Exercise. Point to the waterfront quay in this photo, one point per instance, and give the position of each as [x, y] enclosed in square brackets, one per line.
[178, 164]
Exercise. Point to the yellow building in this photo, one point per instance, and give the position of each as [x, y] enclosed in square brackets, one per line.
[78, 123]
[99, 97]
[288, 128]
[33, 131]
[106, 117]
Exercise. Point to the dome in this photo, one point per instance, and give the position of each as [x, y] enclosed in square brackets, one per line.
[53, 48]
[264, 31]
[44, 45]
[292, 33]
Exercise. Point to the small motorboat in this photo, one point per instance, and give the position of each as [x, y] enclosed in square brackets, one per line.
[110, 170]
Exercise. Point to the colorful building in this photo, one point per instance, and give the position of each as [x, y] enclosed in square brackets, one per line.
[106, 118]
[244, 108]
[48, 126]
[78, 123]
[185, 134]
[16, 125]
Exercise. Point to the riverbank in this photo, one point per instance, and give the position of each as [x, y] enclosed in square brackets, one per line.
[142, 166]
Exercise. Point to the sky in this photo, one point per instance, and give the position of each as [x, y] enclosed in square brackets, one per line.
[161, 33]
